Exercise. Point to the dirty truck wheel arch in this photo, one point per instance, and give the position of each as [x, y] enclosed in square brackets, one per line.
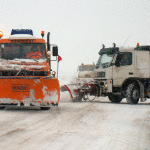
[126, 83]
[115, 98]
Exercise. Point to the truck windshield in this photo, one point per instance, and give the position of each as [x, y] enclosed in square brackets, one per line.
[22, 51]
[104, 60]
[87, 68]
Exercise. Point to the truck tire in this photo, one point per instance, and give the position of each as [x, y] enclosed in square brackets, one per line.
[115, 98]
[45, 108]
[132, 94]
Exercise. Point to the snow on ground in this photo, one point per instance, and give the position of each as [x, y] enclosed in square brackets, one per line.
[97, 125]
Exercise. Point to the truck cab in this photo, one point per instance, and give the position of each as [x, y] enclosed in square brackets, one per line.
[85, 72]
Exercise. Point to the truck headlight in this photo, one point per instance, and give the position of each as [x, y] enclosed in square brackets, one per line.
[106, 86]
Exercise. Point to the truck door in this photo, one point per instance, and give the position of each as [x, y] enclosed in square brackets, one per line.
[123, 68]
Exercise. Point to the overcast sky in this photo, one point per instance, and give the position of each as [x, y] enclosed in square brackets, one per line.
[80, 27]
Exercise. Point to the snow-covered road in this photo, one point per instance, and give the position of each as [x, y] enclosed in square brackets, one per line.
[97, 125]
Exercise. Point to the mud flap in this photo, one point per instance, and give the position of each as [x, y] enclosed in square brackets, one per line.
[142, 96]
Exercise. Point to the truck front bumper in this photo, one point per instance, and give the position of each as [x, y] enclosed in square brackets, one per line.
[105, 87]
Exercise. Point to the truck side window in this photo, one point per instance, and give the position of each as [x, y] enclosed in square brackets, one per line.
[126, 58]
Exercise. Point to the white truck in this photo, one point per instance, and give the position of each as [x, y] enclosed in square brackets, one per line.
[123, 73]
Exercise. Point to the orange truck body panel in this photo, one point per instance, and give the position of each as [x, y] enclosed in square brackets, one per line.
[29, 89]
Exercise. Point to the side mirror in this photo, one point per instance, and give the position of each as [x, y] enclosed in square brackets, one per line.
[117, 64]
[55, 51]
[118, 60]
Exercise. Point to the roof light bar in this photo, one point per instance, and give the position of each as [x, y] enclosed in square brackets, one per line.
[21, 31]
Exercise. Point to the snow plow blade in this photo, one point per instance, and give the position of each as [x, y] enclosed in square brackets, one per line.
[29, 91]
[81, 91]
[73, 91]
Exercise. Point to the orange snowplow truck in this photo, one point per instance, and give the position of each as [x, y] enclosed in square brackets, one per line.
[25, 70]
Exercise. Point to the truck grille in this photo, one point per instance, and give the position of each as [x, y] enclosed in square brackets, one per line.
[101, 74]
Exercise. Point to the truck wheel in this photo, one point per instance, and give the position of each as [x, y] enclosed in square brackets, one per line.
[114, 98]
[132, 94]
[45, 108]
